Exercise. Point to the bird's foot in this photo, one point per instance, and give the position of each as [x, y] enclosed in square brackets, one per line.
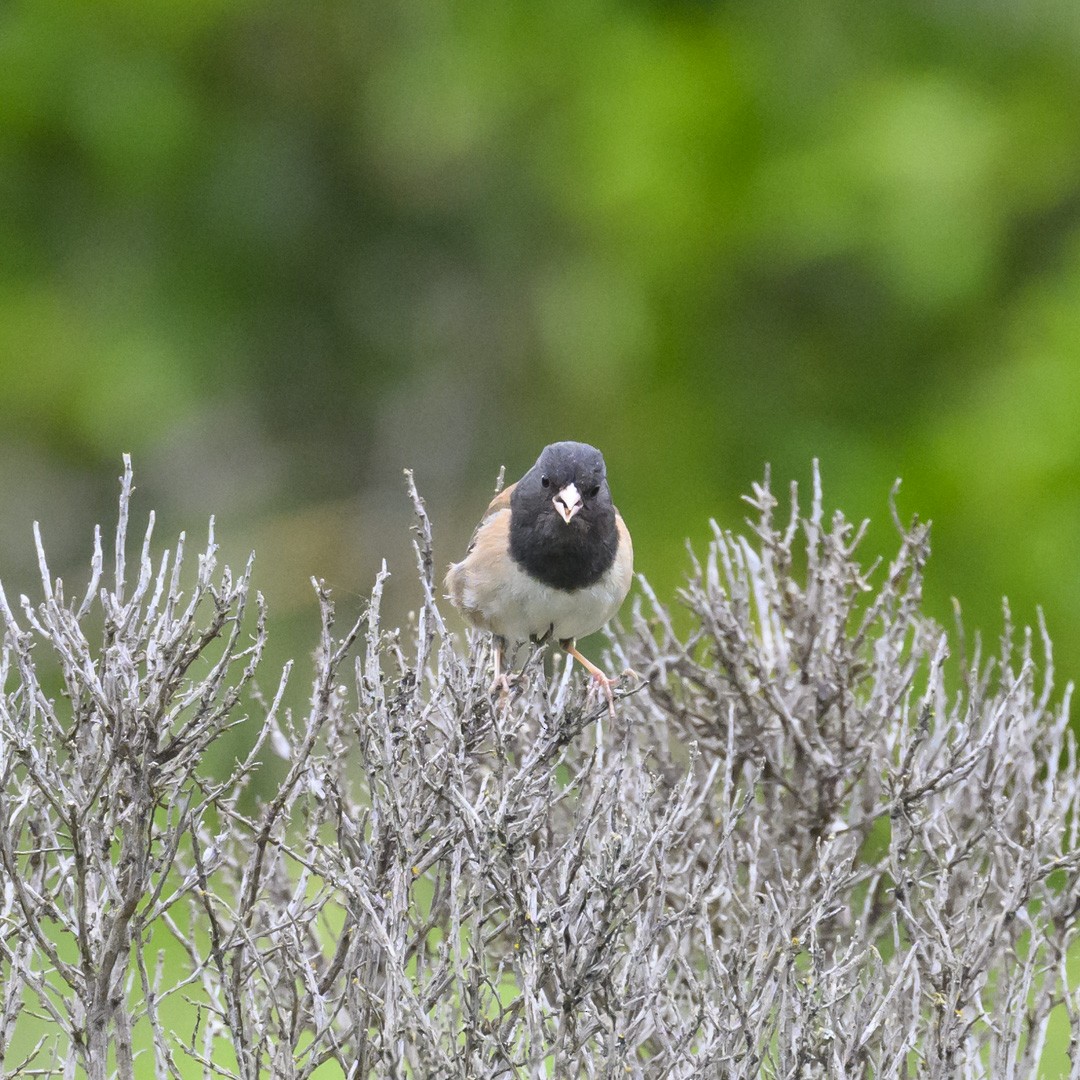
[597, 675]
[500, 686]
[606, 684]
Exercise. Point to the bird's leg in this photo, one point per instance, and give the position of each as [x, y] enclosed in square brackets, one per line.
[500, 684]
[593, 670]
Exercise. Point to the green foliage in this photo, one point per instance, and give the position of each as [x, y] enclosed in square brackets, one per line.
[295, 247]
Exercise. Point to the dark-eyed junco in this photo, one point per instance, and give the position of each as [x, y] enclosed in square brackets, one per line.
[550, 559]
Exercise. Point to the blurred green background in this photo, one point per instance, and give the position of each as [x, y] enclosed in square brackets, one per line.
[280, 251]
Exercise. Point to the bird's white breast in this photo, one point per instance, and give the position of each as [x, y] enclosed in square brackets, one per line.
[518, 607]
[506, 601]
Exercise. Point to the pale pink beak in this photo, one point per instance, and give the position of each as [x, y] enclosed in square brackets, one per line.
[568, 502]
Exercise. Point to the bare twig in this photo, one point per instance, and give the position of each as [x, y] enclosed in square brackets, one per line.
[808, 846]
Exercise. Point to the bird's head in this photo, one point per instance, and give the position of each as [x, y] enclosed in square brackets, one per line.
[563, 527]
[571, 476]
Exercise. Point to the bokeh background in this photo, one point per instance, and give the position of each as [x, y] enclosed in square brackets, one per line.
[280, 251]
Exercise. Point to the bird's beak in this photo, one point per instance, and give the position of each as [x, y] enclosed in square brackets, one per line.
[568, 502]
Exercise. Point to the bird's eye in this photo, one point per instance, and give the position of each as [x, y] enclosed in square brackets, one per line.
[594, 491]
[545, 482]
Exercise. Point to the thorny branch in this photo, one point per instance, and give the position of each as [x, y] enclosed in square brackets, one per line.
[812, 845]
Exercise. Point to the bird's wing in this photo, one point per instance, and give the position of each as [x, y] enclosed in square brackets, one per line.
[475, 583]
[623, 567]
[500, 502]
[494, 524]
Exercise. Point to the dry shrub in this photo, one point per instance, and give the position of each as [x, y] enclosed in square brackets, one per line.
[812, 843]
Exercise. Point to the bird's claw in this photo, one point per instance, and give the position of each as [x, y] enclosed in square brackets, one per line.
[606, 684]
[500, 686]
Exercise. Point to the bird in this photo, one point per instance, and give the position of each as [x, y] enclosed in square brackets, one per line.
[551, 559]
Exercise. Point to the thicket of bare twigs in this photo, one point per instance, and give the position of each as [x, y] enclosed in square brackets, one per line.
[812, 844]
